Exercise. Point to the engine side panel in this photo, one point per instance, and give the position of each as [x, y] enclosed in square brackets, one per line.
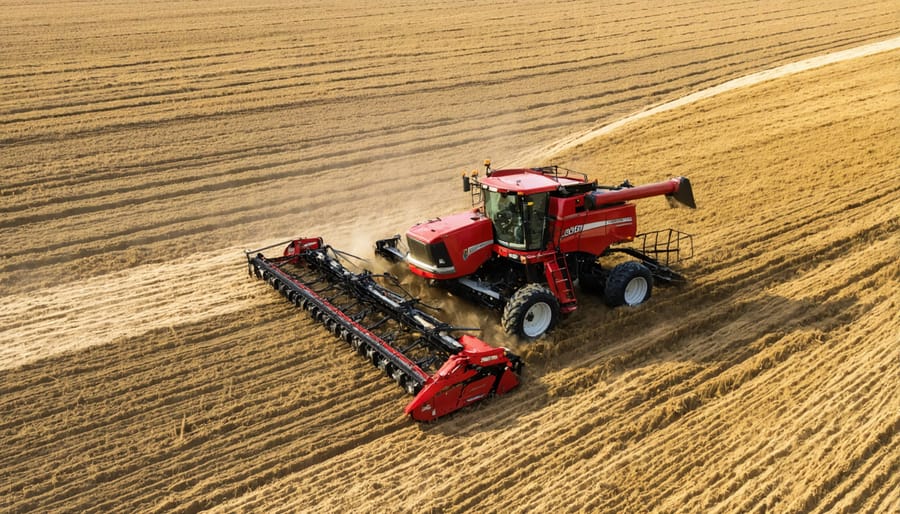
[466, 240]
[593, 231]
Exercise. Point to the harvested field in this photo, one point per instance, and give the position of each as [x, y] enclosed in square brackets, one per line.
[142, 151]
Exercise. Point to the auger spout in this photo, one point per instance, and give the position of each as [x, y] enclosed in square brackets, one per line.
[677, 190]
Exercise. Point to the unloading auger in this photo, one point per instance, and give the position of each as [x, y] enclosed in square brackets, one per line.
[443, 372]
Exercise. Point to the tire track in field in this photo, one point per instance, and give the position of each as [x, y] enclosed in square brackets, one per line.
[573, 141]
[98, 311]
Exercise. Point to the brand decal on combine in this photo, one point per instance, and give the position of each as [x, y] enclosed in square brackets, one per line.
[474, 248]
[575, 229]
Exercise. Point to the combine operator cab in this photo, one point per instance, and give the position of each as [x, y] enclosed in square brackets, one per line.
[534, 233]
[520, 221]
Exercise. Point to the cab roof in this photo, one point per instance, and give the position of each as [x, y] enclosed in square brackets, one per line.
[526, 181]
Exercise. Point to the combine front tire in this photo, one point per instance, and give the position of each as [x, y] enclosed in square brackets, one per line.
[629, 283]
[531, 312]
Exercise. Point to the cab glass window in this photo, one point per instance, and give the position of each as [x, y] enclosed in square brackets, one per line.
[519, 221]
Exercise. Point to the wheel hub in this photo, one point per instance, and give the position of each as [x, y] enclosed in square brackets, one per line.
[537, 319]
[636, 290]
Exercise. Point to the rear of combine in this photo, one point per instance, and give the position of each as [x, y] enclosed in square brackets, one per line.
[385, 325]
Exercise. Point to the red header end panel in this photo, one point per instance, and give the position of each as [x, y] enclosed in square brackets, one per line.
[477, 372]
[293, 250]
[594, 231]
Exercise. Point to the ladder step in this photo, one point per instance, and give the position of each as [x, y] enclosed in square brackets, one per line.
[562, 282]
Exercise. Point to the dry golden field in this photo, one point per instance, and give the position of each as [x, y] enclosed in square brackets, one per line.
[143, 146]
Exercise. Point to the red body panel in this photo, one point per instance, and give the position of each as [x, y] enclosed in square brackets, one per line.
[594, 231]
[299, 245]
[468, 237]
[525, 181]
[455, 225]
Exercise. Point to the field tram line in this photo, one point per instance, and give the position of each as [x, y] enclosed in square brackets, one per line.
[165, 65]
[170, 166]
[179, 344]
[220, 90]
[162, 86]
[179, 165]
[176, 165]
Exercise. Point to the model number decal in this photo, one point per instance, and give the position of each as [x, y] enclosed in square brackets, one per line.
[571, 231]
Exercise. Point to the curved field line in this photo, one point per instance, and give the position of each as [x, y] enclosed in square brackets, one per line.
[574, 140]
[100, 310]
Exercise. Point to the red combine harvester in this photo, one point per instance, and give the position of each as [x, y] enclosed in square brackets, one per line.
[530, 231]
[373, 315]
[533, 232]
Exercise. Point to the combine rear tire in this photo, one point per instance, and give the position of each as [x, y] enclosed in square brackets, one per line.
[629, 283]
[531, 312]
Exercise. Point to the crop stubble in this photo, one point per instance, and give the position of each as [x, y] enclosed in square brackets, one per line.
[131, 143]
